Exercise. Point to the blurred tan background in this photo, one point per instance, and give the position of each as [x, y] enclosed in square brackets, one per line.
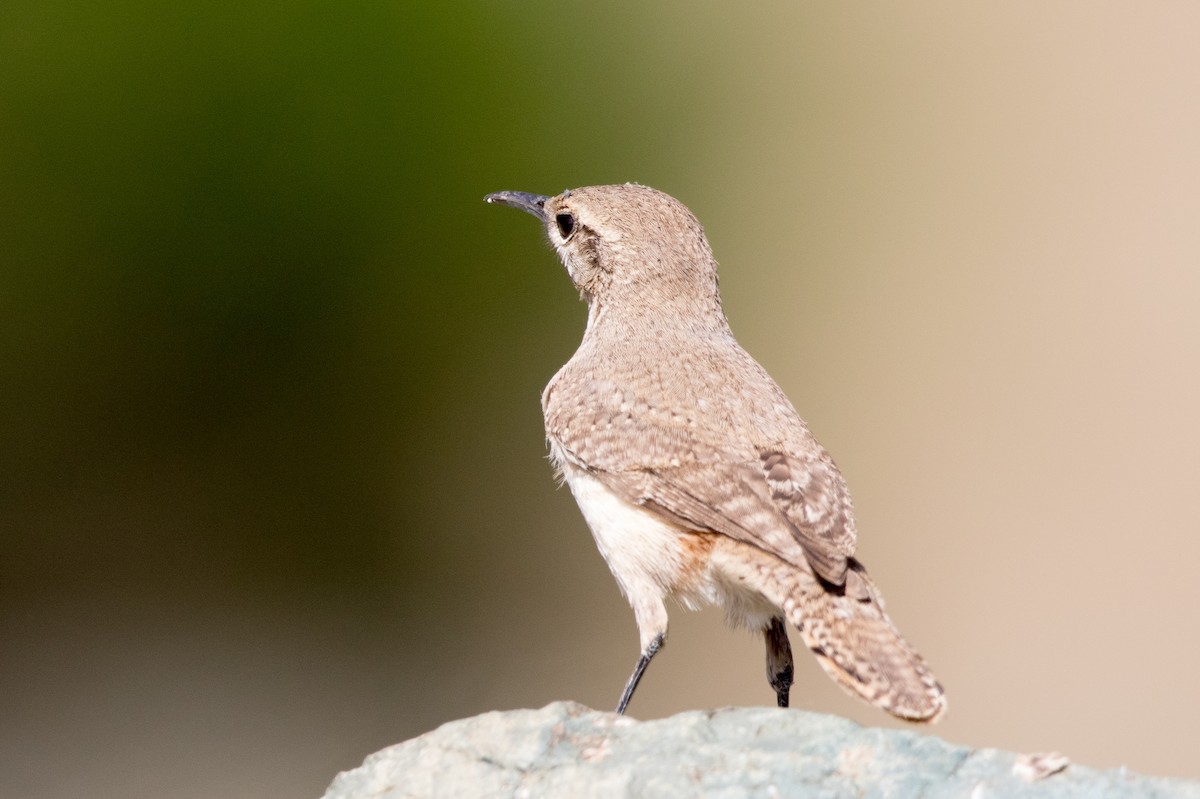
[272, 485]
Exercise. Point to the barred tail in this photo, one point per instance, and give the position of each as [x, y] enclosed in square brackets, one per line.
[847, 629]
[857, 644]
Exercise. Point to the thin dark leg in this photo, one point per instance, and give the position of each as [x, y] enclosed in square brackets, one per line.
[779, 660]
[638, 670]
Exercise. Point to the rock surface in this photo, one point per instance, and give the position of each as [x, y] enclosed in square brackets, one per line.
[567, 750]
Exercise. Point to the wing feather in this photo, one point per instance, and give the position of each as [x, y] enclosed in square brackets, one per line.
[805, 519]
[700, 466]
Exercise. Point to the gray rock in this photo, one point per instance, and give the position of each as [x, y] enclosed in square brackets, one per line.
[567, 750]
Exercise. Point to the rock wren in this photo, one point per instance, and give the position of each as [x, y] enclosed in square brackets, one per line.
[694, 472]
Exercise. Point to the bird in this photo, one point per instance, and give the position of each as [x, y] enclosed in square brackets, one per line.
[697, 477]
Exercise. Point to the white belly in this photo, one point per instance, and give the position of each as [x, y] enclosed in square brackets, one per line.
[653, 559]
[643, 551]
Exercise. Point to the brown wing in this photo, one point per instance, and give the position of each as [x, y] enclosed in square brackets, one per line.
[790, 501]
[795, 508]
[812, 494]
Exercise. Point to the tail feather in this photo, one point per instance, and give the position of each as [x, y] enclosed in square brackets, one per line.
[860, 648]
[848, 631]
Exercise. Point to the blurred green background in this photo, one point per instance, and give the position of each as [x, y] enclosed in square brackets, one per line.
[272, 486]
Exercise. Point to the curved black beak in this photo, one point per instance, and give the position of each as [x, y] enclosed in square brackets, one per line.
[529, 203]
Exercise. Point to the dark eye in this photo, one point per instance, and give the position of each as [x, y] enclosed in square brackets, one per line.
[566, 224]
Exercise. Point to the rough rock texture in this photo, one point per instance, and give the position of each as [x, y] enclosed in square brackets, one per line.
[567, 750]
